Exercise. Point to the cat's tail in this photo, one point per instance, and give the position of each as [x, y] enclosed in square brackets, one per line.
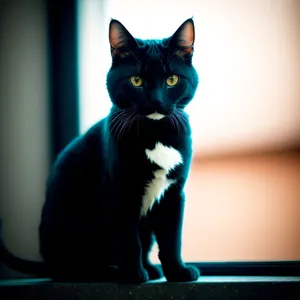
[24, 266]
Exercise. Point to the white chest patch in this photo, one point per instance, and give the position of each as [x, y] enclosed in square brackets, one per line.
[167, 158]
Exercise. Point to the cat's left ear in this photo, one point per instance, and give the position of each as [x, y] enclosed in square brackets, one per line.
[182, 41]
[121, 41]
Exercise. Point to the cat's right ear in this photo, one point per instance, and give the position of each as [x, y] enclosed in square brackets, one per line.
[182, 41]
[121, 41]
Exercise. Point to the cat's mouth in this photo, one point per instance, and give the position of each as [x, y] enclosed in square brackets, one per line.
[155, 116]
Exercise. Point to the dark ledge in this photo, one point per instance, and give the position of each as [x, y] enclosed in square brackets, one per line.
[207, 287]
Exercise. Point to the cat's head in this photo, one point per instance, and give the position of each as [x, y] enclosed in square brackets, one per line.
[153, 77]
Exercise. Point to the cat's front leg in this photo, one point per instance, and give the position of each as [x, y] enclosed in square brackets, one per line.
[131, 268]
[147, 241]
[168, 230]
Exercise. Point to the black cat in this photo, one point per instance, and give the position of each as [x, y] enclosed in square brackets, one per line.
[114, 189]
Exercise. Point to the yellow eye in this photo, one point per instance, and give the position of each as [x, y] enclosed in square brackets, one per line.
[172, 80]
[136, 80]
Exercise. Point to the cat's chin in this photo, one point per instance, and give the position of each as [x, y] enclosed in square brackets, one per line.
[155, 116]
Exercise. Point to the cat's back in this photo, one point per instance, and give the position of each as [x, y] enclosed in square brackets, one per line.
[80, 164]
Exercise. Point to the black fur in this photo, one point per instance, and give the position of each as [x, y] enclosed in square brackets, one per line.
[91, 227]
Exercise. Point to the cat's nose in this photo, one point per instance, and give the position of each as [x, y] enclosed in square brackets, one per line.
[156, 96]
[157, 104]
[160, 107]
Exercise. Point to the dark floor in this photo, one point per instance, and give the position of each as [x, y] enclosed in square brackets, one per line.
[207, 287]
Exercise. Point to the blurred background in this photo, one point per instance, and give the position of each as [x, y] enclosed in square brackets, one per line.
[243, 193]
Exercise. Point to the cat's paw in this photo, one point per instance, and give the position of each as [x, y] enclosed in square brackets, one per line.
[154, 272]
[133, 276]
[183, 274]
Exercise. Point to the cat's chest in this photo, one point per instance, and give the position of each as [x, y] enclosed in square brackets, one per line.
[166, 158]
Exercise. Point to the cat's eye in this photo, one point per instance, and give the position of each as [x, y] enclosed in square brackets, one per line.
[172, 80]
[136, 80]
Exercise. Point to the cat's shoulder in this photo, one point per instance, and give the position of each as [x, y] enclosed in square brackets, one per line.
[83, 145]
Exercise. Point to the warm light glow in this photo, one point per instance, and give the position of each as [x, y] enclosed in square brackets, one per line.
[242, 209]
[246, 54]
[247, 57]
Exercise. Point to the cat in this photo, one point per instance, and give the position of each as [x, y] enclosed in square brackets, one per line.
[119, 187]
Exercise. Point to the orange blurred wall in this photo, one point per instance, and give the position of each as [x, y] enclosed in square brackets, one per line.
[243, 208]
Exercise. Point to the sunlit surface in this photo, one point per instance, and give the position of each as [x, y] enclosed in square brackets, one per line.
[228, 279]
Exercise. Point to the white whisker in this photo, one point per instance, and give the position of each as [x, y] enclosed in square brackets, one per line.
[120, 122]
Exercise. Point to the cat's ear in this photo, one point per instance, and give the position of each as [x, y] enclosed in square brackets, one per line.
[121, 41]
[182, 41]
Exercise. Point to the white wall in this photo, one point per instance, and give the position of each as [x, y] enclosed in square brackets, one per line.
[24, 151]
